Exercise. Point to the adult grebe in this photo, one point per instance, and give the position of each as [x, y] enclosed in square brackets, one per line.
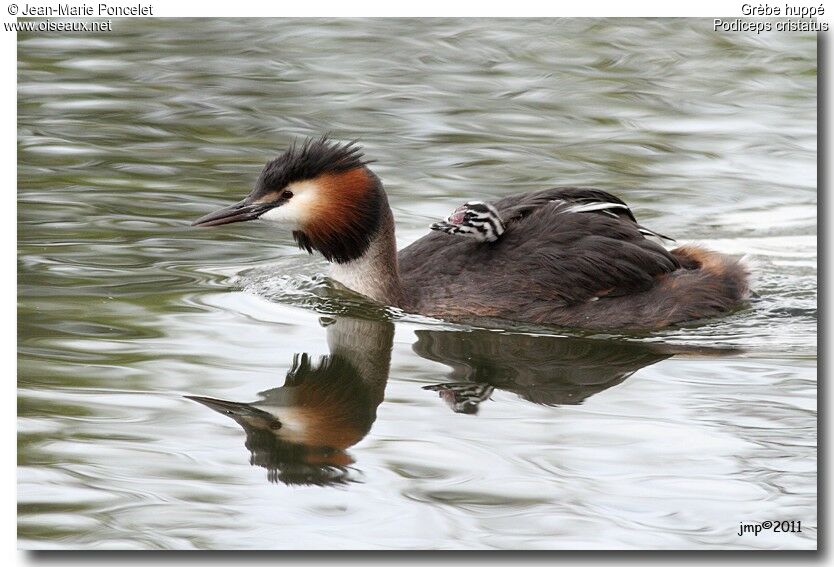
[565, 256]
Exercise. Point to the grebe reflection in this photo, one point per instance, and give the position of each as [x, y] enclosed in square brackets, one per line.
[545, 370]
[300, 432]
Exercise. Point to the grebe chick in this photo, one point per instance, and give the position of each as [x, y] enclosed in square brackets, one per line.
[475, 219]
[567, 256]
[481, 220]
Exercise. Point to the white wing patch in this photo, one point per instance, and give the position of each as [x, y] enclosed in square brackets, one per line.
[656, 235]
[600, 206]
[608, 208]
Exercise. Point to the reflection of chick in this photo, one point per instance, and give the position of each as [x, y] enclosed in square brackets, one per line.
[299, 432]
[542, 369]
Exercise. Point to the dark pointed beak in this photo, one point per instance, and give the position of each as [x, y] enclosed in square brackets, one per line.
[239, 411]
[238, 212]
[222, 406]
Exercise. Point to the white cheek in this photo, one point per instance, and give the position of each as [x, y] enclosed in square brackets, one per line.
[286, 215]
[295, 213]
[295, 425]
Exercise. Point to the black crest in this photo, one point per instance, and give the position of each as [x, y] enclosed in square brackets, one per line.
[349, 215]
[311, 158]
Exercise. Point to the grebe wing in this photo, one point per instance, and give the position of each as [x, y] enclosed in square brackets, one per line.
[571, 200]
[582, 199]
[548, 255]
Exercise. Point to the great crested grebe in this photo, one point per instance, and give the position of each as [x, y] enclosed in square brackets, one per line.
[565, 256]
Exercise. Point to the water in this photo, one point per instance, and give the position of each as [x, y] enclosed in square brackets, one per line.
[572, 440]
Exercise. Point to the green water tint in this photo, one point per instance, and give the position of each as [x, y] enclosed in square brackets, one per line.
[591, 440]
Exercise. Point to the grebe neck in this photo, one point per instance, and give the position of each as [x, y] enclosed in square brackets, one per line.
[375, 273]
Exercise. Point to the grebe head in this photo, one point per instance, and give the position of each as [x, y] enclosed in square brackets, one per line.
[475, 219]
[322, 191]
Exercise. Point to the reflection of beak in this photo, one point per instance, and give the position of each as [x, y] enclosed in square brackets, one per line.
[222, 406]
[234, 213]
[238, 411]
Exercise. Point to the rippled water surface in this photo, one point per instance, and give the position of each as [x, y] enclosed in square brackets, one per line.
[371, 428]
